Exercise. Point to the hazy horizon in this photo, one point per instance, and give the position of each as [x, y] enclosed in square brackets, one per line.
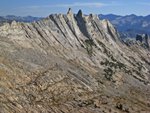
[42, 8]
[66, 13]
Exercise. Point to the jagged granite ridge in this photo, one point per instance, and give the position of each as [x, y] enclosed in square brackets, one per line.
[71, 63]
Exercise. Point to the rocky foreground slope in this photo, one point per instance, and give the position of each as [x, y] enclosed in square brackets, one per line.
[71, 64]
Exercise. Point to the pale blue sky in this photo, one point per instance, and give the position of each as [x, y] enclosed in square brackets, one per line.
[46, 7]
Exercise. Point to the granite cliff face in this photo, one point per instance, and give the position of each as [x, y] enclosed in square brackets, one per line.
[71, 64]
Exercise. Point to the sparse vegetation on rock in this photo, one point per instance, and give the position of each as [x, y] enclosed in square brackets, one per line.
[45, 67]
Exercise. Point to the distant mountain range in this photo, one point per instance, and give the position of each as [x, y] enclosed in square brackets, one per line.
[129, 25]
[11, 18]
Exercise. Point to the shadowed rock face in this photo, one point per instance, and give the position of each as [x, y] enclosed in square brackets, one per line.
[71, 64]
[143, 39]
[139, 38]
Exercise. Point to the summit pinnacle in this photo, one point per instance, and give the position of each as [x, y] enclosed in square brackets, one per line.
[80, 13]
[69, 11]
